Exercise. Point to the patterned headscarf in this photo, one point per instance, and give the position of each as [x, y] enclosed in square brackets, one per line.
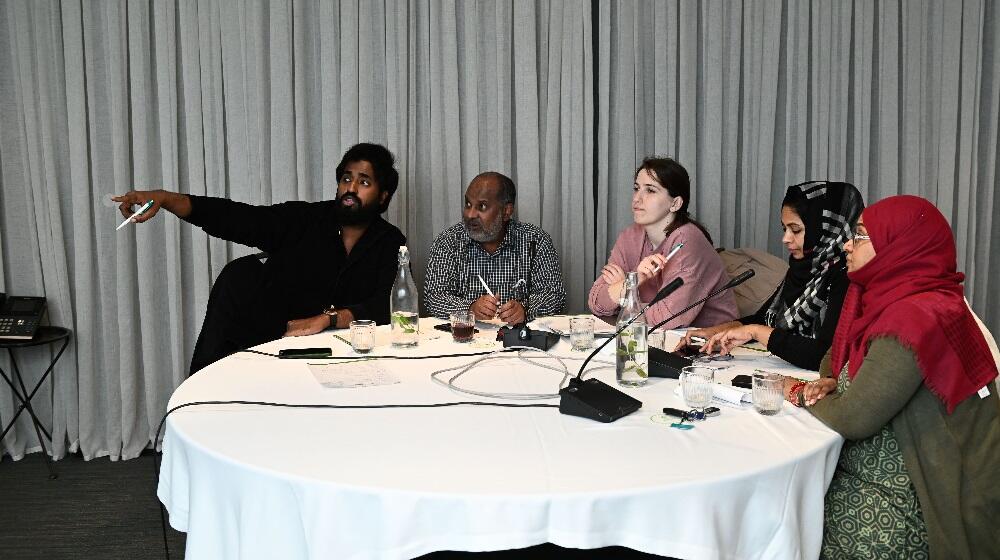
[831, 210]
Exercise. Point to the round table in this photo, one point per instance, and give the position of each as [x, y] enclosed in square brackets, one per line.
[251, 481]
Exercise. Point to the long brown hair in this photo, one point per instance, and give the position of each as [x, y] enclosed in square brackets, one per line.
[673, 177]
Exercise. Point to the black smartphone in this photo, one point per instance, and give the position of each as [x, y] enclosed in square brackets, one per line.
[299, 353]
[744, 381]
[446, 327]
[689, 350]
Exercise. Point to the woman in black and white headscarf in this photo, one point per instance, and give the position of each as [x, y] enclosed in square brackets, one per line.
[797, 323]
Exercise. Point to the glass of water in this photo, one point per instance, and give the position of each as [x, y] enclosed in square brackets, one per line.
[696, 383]
[768, 392]
[581, 333]
[362, 335]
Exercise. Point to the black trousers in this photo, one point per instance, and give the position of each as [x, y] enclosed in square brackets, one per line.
[238, 314]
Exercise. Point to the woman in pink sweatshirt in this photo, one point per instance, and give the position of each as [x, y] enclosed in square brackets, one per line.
[660, 198]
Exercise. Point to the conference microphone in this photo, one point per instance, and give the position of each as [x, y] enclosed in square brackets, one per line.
[521, 334]
[595, 399]
[669, 364]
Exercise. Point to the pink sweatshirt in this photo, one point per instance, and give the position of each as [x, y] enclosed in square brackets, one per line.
[697, 263]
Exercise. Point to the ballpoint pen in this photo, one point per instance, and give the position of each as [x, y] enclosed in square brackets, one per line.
[143, 208]
[489, 291]
[485, 287]
[670, 254]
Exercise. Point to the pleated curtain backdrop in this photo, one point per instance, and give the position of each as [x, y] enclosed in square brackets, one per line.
[894, 97]
[257, 101]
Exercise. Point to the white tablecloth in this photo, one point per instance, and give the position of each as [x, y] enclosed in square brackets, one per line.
[259, 482]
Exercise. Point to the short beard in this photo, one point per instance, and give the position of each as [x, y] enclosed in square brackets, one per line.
[485, 234]
[356, 215]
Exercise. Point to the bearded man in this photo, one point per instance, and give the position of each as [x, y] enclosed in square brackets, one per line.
[326, 264]
[491, 245]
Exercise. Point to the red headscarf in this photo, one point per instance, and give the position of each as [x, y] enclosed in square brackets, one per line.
[911, 290]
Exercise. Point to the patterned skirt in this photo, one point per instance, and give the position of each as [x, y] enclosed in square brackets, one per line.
[871, 509]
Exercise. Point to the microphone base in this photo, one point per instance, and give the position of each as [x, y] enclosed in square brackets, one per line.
[666, 364]
[523, 336]
[596, 400]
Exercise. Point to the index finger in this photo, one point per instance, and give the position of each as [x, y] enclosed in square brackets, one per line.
[710, 344]
[126, 208]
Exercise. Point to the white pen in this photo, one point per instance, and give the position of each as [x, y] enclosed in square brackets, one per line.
[488, 290]
[670, 254]
[143, 208]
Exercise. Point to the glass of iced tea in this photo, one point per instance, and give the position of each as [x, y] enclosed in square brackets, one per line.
[463, 325]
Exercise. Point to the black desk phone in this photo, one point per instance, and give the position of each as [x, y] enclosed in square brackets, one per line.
[20, 316]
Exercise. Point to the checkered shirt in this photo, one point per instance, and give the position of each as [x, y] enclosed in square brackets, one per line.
[455, 260]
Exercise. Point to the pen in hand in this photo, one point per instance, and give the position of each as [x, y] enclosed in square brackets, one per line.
[489, 291]
[670, 254]
[143, 208]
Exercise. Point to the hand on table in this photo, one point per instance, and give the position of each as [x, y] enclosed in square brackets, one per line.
[723, 342]
[814, 391]
[307, 326]
[706, 333]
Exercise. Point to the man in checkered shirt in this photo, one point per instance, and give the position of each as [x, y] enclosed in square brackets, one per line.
[491, 243]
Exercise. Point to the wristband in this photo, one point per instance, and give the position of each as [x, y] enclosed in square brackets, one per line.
[796, 388]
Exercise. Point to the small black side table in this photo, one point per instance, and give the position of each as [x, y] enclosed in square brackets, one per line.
[44, 335]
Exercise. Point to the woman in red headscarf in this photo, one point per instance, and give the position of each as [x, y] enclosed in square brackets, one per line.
[909, 385]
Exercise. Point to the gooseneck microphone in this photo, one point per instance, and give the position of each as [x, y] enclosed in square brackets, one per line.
[595, 399]
[669, 364]
[743, 277]
[664, 292]
[532, 249]
[521, 334]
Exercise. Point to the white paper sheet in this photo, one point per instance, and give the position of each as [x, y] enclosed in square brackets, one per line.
[352, 375]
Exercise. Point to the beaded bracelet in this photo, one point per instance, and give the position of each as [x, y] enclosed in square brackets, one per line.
[796, 388]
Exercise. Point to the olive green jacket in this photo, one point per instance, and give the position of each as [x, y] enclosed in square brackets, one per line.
[952, 459]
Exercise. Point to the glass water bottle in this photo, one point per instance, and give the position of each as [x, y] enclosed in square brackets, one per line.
[632, 351]
[403, 305]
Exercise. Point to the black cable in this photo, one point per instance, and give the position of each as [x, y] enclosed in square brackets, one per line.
[381, 357]
[254, 352]
[159, 428]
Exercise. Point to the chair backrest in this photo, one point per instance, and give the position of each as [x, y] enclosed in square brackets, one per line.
[769, 271]
[990, 341]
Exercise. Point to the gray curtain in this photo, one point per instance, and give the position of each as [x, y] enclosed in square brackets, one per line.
[256, 101]
[753, 96]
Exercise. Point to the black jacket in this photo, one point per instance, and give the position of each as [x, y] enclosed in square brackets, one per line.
[307, 267]
[798, 350]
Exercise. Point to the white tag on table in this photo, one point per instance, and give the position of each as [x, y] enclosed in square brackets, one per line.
[352, 375]
[733, 397]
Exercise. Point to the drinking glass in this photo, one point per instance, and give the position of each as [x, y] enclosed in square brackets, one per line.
[768, 392]
[696, 383]
[463, 326]
[362, 335]
[581, 333]
[656, 339]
